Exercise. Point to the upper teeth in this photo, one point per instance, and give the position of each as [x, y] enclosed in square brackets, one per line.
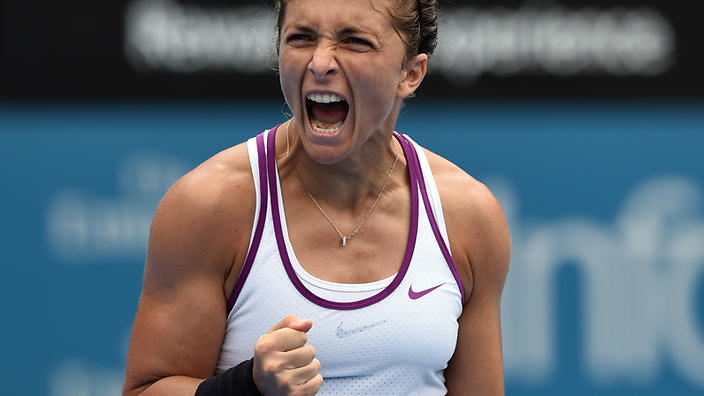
[324, 98]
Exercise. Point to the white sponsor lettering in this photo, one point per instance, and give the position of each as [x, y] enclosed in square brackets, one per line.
[640, 276]
[554, 40]
[81, 378]
[83, 227]
[166, 36]
[163, 35]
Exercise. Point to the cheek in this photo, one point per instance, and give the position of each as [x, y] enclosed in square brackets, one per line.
[384, 73]
[290, 79]
[381, 88]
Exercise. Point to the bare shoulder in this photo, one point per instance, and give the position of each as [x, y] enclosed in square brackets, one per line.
[200, 229]
[461, 192]
[203, 219]
[216, 184]
[476, 225]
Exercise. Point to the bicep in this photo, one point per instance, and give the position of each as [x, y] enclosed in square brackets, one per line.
[181, 316]
[179, 334]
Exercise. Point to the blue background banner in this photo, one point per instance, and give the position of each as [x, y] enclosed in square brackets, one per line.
[603, 198]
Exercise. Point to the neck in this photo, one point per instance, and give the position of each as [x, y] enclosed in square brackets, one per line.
[350, 183]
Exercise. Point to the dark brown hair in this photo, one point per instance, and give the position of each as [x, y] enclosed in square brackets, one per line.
[414, 20]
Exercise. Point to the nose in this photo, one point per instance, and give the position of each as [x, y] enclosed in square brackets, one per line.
[323, 64]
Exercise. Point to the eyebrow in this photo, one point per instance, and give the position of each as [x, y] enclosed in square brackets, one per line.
[304, 28]
[350, 30]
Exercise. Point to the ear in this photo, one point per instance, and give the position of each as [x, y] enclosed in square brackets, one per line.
[412, 75]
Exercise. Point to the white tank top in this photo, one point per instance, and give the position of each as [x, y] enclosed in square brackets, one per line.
[389, 337]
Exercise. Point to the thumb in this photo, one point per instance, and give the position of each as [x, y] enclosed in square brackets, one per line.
[293, 322]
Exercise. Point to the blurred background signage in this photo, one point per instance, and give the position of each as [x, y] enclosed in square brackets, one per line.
[220, 48]
[594, 151]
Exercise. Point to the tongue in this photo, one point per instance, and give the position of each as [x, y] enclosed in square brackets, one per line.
[329, 112]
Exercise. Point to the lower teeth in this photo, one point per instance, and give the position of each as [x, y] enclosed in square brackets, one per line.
[325, 127]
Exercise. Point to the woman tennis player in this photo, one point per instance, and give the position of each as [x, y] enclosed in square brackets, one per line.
[329, 254]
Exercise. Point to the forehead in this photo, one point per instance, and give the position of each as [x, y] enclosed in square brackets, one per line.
[367, 15]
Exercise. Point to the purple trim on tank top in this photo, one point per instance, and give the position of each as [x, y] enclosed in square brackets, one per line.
[263, 192]
[283, 253]
[433, 221]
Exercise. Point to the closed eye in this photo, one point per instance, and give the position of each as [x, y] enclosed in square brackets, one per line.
[357, 40]
[297, 37]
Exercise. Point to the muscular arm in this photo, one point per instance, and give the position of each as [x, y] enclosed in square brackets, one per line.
[481, 248]
[197, 233]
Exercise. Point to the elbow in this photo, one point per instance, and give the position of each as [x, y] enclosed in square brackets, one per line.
[134, 388]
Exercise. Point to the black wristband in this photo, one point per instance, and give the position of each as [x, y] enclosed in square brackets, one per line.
[236, 381]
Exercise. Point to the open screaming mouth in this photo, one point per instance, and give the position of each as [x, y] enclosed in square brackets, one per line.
[327, 112]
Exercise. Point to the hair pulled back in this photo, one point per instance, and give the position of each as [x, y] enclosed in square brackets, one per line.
[416, 21]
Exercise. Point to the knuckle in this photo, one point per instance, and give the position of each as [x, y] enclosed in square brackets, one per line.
[271, 368]
[262, 345]
[315, 384]
[311, 349]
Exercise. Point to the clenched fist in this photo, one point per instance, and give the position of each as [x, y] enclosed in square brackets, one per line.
[284, 363]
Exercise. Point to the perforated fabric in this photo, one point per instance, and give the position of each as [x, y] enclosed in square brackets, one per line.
[395, 341]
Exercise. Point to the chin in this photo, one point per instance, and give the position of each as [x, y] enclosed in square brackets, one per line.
[325, 154]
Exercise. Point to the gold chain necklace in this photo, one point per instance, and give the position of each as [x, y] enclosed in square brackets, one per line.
[344, 238]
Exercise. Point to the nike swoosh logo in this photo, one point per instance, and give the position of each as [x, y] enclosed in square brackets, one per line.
[342, 333]
[416, 295]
